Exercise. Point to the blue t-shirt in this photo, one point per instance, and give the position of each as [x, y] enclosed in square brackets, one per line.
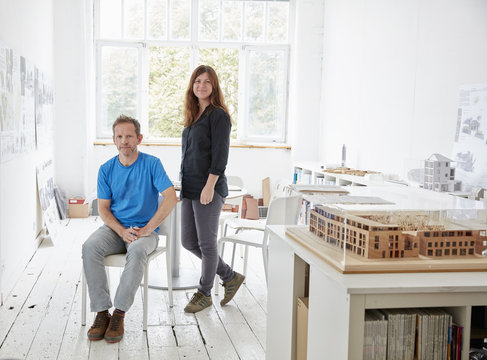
[133, 190]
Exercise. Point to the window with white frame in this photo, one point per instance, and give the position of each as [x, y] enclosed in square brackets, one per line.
[147, 49]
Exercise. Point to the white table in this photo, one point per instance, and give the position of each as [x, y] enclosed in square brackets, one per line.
[337, 302]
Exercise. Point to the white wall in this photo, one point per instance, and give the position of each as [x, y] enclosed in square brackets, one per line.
[74, 119]
[391, 77]
[305, 82]
[26, 27]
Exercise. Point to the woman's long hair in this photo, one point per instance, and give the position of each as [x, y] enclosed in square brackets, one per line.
[191, 105]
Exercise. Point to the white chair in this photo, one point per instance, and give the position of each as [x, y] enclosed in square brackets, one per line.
[237, 182]
[282, 211]
[118, 260]
[238, 224]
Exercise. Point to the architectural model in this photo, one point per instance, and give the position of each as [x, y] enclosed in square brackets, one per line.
[395, 234]
[438, 173]
[478, 193]
[348, 171]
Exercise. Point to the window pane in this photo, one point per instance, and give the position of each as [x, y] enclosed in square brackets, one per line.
[119, 84]
[157, 19]
[168, 79]
[277, 29]
[266, 94]
[110, 19]
[180, 16]
[133, 27]
[254, 20]
[225, 61]
[209, 18]
[232, 20]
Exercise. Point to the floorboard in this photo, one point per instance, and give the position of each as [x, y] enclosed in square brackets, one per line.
[41, 318]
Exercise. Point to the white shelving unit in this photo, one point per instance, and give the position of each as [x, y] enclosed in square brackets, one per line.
[337, 302]
[312, 173]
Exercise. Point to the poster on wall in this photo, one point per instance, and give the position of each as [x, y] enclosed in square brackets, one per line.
[27, 125]
[8, 93]
[45, 185]
[17, 123]
[44, 102]
[470, 146]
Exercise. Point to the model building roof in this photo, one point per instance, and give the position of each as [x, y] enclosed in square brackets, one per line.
[439, 157]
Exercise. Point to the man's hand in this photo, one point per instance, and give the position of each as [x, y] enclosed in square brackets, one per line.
[129, 235]
[141, 232]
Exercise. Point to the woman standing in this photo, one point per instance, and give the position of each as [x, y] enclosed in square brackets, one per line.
[205, 145]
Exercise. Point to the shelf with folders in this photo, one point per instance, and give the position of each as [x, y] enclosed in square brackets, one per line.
[305, 173]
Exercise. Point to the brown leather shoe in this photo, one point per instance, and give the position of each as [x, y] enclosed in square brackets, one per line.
[114, 332]
[100, 325]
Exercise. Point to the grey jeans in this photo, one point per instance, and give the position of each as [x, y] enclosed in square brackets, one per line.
[199, 231]
[104, 241]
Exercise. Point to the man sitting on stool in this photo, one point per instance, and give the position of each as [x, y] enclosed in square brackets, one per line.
[128, 192]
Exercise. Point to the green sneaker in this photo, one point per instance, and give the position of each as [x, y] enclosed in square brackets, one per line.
[198, 302]
[231, 288]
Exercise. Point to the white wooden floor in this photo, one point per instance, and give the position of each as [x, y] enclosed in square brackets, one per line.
[41, 318]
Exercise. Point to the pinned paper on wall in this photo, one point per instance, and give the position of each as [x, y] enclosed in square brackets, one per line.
[17, 106]
[45, 185]
[470, 146]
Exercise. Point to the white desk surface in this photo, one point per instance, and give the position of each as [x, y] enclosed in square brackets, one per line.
[396, 283]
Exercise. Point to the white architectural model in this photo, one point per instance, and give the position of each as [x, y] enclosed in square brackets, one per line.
[438, 173]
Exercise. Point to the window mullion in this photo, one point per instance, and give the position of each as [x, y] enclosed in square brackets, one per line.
[96, 19]
[194, 34]
[144, 78]
[243, 94]
[144, 88]
[145, 21]
[266, 21]
[99, 127]
[122, 23]
[168, 19]
[220, 22]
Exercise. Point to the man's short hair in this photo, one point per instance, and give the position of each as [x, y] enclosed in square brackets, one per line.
[127, 119]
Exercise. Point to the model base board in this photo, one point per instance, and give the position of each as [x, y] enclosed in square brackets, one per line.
[352, 264]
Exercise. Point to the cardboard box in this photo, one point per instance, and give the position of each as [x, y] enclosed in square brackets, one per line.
[252, 209]
[302, 329]
[266, 191]
[76, 208]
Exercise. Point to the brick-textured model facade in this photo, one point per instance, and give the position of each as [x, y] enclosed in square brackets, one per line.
[389, 236]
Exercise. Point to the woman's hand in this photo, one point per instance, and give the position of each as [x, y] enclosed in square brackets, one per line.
[207, 193]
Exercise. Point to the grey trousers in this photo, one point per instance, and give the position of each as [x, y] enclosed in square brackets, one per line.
[199, 232]
[104, 241]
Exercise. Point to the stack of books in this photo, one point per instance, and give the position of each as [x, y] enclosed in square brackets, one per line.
[375, 341]
[408, 334]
